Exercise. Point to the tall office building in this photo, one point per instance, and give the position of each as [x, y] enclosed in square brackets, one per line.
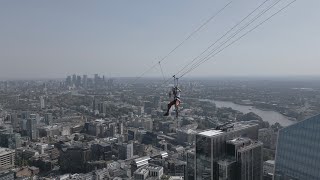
[14, 121]
[74, 79]
[211, 147]
[247, 157]
[48, 118]
[298, 148]
[125, 151]
[85, 81]
[69, 81]
[42, 103]
[7, 158]
[190, 165]
[31, 127]
[10, 140]
[78, 82]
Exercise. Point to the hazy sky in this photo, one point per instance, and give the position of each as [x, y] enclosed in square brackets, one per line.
[124, 38]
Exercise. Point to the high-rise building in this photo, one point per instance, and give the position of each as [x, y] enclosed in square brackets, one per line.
[74, 79]
[125, 151]
[48, 118]
[10, 140]
[31, 128]
[85, 81]
[25, 115]
[14, 121]
[298, 148]
[96, 80]
[69, 81]
[7, 158]
[211, 147]
[42, 103]
[247, 155]
[190, 171]
[78, 82]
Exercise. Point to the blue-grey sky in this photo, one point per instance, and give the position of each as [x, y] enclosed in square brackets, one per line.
[124, 38]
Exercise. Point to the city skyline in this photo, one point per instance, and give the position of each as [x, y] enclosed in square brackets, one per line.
[44, 39]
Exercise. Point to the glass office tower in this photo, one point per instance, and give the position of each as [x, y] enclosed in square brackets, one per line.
[298, 151]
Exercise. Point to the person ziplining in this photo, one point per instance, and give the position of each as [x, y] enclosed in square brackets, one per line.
[176, 98]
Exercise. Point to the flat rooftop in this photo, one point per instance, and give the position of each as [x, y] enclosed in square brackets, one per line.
[5, 151]
[211, 133]
[235, 127]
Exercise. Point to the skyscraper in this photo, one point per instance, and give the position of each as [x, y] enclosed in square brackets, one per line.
[74, 79]
[211, 147]
[298, 148]
[42, 103]
[69, 81]
[247, 155]
[48, 118]
[31, 127]
[85, 81]
[190, 165]
[14, 121]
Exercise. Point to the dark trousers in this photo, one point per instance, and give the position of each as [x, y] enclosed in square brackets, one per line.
[175, 102]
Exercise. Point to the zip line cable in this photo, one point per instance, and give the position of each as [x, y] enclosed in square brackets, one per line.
[181, 43]
[162, 71]
[211, 55]
[223, 35]
[237, 32]
[257, 16]
[255, 27]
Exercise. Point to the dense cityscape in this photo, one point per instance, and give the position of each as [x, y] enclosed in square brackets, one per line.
[159, 90]
[95, 127]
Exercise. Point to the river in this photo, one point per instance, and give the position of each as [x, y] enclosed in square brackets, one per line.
[270, 116]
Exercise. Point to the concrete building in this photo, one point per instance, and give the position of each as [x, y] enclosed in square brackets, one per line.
[149, 171]
[42, 103]
[26, 153]
[268, 137]
[31, 129]
[248, 157]
[268, 170]
[211, 147]
[14, 121]
[298, 148]
[7, 158]
[141, 174]
[125, 151]
[190, 169]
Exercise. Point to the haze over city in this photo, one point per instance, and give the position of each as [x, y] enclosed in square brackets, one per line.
[159, 90]
[49, 39]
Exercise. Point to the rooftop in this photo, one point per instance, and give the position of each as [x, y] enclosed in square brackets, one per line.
[232, 127]
[270, 162]
[5, 150]
[211, 133]
[240, 140]
[141, 171]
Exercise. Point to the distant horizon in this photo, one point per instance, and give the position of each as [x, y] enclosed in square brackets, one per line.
[220, 77]
[46, 39]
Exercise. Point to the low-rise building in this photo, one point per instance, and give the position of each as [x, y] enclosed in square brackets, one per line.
[7, 158]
